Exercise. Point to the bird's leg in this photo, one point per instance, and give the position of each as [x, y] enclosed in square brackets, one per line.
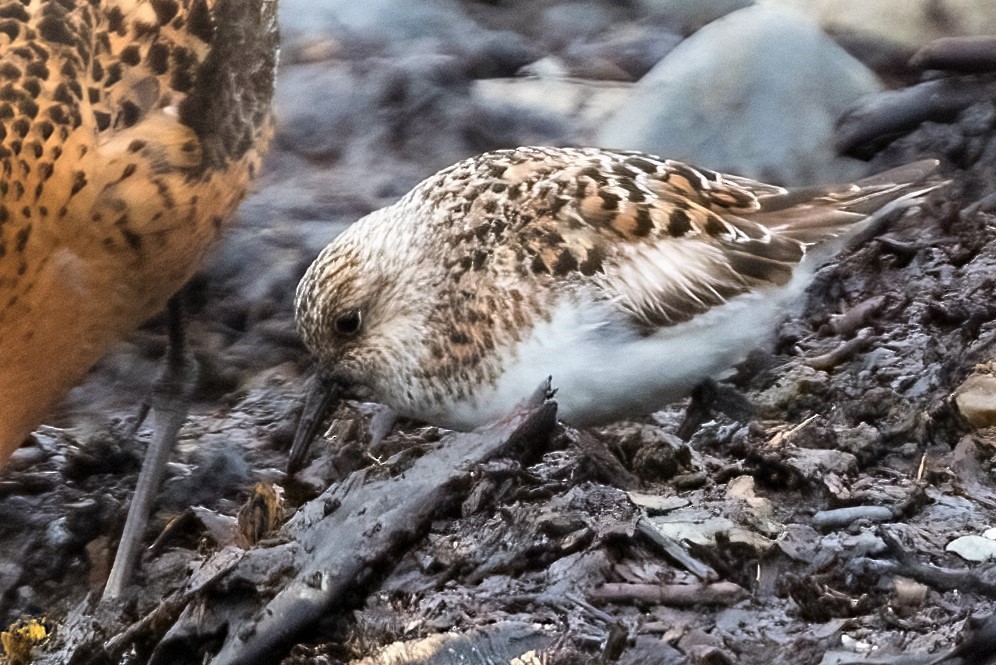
[169, 404]
[708, 397]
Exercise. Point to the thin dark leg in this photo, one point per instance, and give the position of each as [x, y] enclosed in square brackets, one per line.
[169, 404]
[699, 409]
[709, 397]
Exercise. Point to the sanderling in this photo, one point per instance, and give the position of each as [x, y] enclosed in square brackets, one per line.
[628, 278]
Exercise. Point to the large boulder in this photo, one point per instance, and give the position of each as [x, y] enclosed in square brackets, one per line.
[756, 93]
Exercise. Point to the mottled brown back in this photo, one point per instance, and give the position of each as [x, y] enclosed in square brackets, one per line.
[604, 216]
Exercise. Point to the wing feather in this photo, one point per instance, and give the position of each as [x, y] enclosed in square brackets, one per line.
[663, 240]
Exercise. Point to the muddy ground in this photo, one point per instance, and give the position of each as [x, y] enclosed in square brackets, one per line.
[810, 526]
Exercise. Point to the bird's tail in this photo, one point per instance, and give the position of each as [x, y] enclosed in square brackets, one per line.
[816, 214]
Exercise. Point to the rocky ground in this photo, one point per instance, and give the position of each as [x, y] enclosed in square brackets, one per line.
[846, 517]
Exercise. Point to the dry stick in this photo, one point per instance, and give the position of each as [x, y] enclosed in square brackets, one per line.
[842, 353]
[962, 54]
[83, 632]
[941, 579]
[674, 550]
[352, 529]
[851, 321]
[165, 614]
[604, 617]
[784, 436]
[679, 595]
[986, 204]
[842, 517]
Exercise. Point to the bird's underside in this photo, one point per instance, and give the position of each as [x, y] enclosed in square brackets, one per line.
[130, 130]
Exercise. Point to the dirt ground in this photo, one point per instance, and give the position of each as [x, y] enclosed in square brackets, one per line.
[812, 523]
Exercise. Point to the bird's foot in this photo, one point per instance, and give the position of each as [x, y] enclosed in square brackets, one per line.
[169, 404]
[709, 397]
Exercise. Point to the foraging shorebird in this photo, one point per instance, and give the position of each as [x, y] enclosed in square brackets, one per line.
[628, 278]
[129, 132]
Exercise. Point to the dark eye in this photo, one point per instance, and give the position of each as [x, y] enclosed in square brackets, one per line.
[348, 323]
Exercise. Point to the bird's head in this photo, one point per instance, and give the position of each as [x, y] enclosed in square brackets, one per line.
[361, 310]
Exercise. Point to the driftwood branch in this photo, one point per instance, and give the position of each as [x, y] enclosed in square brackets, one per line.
[904, 564]
[678, 595]
[353, 530]
[842, 353]
[970, 55]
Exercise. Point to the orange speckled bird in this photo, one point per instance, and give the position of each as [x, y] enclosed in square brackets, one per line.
[130, 131]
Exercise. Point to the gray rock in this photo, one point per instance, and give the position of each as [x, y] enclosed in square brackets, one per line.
[374, 19]
[578, 103]
[10, 575]
[631, 50]
[499, 53]
[687, 16]
[568, 22]
[755, 93]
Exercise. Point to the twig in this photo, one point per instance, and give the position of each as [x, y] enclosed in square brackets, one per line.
[680, 595]
[894, 112]
[841, 517]
[674, 550]
[842, 353]
[941, 579]
[969, 55]
[781, 437]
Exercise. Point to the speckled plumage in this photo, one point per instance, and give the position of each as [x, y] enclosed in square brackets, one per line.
[627, 278]
[129, 131]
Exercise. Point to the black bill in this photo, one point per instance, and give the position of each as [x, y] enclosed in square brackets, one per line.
[321, 394]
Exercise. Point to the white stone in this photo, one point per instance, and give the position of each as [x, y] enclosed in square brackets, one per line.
[655, 504]
[973, 548]
[694, 524]
[585, 103]
[756, 93]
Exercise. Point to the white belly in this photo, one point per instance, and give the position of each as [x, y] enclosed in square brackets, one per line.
[603, 371]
